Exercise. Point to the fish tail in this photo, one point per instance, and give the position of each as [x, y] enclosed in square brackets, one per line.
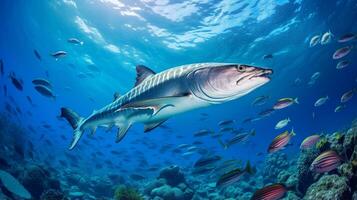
[296, 100]
[292, 132]
[252, 133]
[75, 121]
[248, 168]
[225, 146]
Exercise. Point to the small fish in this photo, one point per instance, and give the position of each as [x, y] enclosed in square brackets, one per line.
[16, 82]
[233, 176]
[241, 137]
[321, 101]
[270, 192]
[309, 141]
[259, 153]
[347, 95]
[261, 100]
[81, 75]
[326, 161]
[342, 52]
[285, 102]
[226, 129]
[137, 177]
[203, 132]
[347, 37]
[45, 91]
[339, 108]
[226, 123]
[280, 141]
[42, 81]
[2, 72]
[29, 100]
[342, 64]
[268, 56]
[59, 54]
[315, 76]
[37, 54]
[183, 146]
[264, 113]
[315, 40]
[282, 123]
[13, 185]
[326, 38]
[75, 41]
[207, 160]
[297, 81]
[93, 68]
[188, 153]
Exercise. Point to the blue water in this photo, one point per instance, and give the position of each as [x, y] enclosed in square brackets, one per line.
[118, 35]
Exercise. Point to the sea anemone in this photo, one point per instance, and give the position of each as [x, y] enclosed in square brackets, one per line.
[127, 193]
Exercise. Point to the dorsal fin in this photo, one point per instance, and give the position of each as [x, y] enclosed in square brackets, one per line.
[116, 96]
[142, 72]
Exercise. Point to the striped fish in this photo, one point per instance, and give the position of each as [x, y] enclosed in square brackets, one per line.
[280, 141]
[309, 141]
[270, 192]
[233, 176]
[240, 137]
[326, 161]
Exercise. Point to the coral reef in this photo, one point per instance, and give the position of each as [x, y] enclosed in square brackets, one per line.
[170, 185]
[172, 175]
[37, 180]
[53, 195]
[304, 175]
[329, 187]
[273, 165]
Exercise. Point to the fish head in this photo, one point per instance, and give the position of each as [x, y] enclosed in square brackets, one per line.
[224, 82]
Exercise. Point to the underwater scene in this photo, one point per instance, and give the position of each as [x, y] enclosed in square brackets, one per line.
[178, 100]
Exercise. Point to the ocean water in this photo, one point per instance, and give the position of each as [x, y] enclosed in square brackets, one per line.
[115, 36]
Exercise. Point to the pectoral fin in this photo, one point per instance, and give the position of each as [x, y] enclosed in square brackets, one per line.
[122, 132]
[92, 130]
[153, 125]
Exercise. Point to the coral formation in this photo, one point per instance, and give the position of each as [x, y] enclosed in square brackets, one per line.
[53, 195]
[329, 187]
[170, 185]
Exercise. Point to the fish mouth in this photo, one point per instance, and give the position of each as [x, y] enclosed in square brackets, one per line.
[264, 73]
[260, 73]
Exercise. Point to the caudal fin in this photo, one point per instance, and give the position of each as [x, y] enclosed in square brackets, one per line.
[225, 146]
[249, 169]
[74, 119]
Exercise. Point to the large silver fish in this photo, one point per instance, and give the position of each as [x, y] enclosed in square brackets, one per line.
[158, 96]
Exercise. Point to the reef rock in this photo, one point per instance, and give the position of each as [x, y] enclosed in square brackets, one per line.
[329, 187]
[167, 193]
[172, 175]
[36, 179]
[350, 141]
[170, 185]
[305, 177]
[273, 165]
[53, 195]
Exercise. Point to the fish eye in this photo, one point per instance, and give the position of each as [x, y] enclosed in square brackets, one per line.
[241, 68]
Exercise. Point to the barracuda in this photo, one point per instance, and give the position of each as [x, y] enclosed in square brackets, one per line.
[158, 96]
